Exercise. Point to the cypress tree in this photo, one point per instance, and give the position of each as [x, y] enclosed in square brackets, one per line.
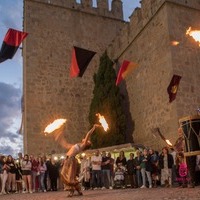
[107, 101]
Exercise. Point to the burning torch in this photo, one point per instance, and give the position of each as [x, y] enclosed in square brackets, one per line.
[163, 138]
[194, 33]
[56, 124]
[102, 121]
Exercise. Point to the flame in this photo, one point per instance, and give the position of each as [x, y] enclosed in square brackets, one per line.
[175, 43]
[169, 143]
[194, 33]
[55, 125]
[103, 122]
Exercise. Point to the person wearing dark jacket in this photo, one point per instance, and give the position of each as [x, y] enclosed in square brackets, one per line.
[131, 170]
[146, 169]
[11, 174]
[138, 168]
[166, 162]
[53, 168]
[121, 159]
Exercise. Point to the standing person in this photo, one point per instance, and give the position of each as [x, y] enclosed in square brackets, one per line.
[131, 170]
[121, 160]
[105, 168]
[177, 149]
[26, 174]
[182, 171]
[174, 167]
[18, 177]
[35, 163]
[69, 169]
[46, 175]
[166, 162]
[4, 174]
[154, 164]
[53, 168]
[85, 172]
[138, 168]
[180, 146]
[20, 159]
[41, 171]
[146, 169]
[11, 174]
[96, 161]
[111, 163]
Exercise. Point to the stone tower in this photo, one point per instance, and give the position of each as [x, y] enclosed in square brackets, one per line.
[54, 27]
[149, 41]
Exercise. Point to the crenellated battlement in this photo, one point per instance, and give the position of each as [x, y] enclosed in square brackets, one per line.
[142, 16]
[102, 7]
[150, 7]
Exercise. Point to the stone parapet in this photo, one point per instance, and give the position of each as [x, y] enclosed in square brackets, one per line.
[102, 8]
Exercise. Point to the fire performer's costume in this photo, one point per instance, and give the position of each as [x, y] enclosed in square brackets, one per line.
[70, 166]
[69, 172]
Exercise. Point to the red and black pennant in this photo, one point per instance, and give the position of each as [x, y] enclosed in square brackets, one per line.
[80, 60]
[11, 43]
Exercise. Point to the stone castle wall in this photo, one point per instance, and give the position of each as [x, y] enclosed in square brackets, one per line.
[54, 27]
[147, 40]
[185, 57]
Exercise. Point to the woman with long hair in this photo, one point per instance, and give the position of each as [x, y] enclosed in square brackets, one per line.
[166, 161]
[41, 171]
[26, 174]
[70, 166]
[4, 174]
[121, 159]
[11, 174]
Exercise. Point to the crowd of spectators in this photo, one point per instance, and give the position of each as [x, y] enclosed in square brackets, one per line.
[28, 174]
[140, 169]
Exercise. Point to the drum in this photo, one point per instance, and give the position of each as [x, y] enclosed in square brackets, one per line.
[191, 130]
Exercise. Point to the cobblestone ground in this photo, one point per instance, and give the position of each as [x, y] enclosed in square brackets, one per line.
[118, 194]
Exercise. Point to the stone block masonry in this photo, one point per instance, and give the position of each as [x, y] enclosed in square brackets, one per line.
[147, 40]
[54, 27]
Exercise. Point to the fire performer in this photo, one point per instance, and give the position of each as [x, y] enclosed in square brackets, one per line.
[69, 169]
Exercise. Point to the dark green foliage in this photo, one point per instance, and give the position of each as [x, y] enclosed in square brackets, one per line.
[107, 102]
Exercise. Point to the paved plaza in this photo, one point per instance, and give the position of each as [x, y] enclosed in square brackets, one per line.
[118, 194]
